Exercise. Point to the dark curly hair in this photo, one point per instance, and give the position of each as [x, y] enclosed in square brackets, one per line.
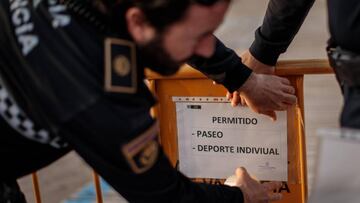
[158, 13]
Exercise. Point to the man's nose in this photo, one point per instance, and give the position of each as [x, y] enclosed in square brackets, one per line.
[206, 47]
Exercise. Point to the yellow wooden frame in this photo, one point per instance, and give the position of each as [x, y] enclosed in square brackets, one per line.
[189, 82]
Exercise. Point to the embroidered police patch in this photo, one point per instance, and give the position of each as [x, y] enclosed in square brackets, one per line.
[142, 152]
[120, 66]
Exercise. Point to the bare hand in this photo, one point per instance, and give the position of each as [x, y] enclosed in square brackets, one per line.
[258, 67]
[235, 98]
[254, 191]
[266, 94]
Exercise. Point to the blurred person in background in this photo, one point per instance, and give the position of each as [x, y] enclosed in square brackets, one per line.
[282, 21]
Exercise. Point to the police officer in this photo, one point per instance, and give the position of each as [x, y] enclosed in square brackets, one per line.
[71, 77]
[282, 21]
[344, 56]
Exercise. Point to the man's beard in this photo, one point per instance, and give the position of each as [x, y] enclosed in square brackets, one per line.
[157, 58]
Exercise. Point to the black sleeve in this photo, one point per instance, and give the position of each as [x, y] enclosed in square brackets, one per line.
[110, 138]
[282, 21]
[224, 67]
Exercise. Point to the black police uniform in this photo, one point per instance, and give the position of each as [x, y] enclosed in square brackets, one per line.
[52, 100]
[282, 21]
[344, 22]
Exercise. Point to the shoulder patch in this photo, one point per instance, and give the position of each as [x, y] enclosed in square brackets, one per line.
[142, 152]
[120, 66]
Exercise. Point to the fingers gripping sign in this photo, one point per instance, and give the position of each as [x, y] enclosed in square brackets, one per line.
[263, 92]
[253, 190]
[266, 94]
[271, 93]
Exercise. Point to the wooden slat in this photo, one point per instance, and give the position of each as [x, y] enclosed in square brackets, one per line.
[303, 67]
[99, 197]
[36, 186]
[283, 68]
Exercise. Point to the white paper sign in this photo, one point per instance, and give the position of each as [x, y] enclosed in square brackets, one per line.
[215, 138]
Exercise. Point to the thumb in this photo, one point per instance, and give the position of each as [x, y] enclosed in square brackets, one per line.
[271, 114]
[240, 172]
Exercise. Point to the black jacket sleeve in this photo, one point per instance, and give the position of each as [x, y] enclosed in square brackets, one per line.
[100, 133]
[224, 67]
[282, 21]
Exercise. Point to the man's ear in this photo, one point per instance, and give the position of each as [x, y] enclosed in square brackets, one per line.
[138, 27]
